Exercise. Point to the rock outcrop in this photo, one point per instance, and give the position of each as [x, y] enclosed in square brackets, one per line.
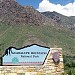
[13, 13]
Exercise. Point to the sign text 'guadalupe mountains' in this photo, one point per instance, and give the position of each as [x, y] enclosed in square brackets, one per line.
[30, 55]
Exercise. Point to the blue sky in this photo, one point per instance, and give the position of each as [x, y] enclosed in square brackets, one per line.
[62, 2]
[64, 7]
[35, 3]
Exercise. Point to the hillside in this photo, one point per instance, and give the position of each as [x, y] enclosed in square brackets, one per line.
[21, 35]
[62, 20]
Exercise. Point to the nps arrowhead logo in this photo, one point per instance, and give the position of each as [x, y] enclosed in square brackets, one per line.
[56, 56]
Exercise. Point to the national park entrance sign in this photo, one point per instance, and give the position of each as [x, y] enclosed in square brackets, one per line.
[33, 60]
[31, 55]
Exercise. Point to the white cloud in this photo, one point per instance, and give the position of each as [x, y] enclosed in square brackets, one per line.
[67, 10]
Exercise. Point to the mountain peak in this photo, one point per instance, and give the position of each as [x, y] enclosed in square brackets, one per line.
[62, 20]
[13, 13]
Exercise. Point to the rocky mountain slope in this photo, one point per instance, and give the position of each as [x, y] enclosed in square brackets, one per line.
[13, 13]
[62, 20]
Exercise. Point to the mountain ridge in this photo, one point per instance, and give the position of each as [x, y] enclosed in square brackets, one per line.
[63, 21]
[13, 13]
